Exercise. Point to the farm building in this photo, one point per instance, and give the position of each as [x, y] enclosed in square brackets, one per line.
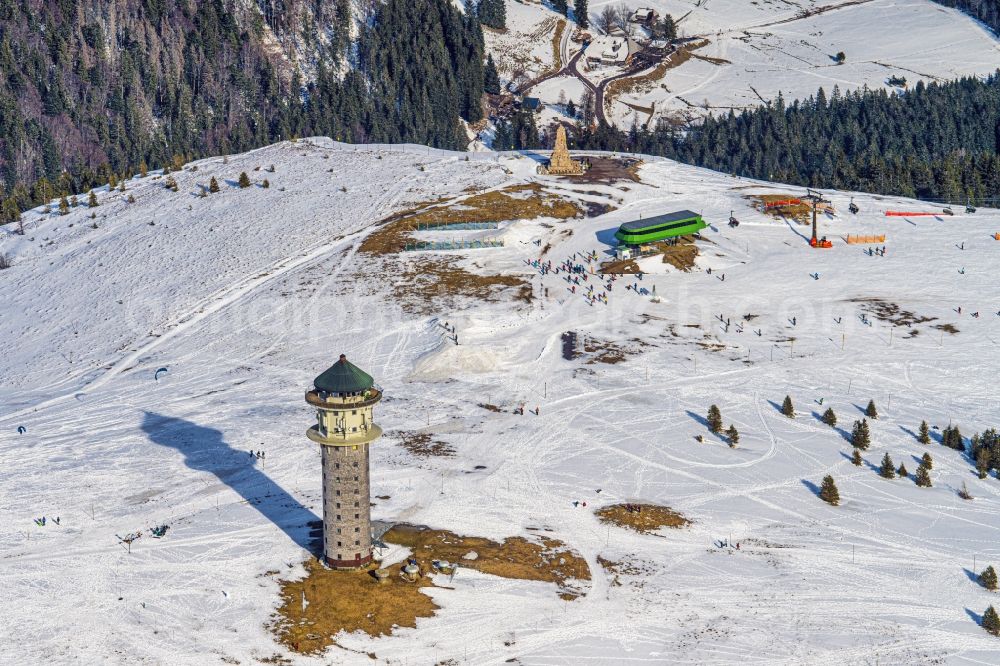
[660, 227]
[607, 51]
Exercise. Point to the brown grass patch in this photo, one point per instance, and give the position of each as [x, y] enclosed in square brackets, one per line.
[608, 170]
[547, 560]
[647, 519]
[423, 445]
[800, 212]
[557, 62]
[351, 601]
[619, 267]
[517, 202]
[680, 255]
[429, 284]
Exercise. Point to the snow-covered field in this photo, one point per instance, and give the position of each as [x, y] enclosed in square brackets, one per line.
[762, 48]
[246, 295]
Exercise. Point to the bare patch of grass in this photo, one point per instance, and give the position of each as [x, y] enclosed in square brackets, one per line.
[431, 283]
[641, 518]
[800, 212]
[423, 445]
[317, 608]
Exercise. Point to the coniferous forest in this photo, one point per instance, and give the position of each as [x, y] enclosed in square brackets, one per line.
[938, 142]
[987, 11]
[79, 102]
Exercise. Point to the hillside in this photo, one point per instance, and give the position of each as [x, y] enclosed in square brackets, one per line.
[748, 52]
[244, 295]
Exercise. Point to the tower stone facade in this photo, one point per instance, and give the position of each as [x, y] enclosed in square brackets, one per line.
[560, 163]
[344, 397]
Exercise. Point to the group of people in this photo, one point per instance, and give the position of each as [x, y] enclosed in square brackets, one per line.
[256, 454]
[41, 521]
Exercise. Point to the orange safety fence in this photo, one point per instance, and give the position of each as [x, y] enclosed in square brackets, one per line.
[861, 240]
[779, 204]
[900, 213]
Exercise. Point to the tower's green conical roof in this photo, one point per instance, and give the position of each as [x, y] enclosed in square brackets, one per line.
[344, 377]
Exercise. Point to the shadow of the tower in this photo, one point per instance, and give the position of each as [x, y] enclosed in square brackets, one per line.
[206, 450]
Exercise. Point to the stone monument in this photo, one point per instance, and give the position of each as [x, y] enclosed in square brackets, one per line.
[560, 163]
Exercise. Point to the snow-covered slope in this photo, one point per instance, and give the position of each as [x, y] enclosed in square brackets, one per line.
[244, 296]
[757, 49]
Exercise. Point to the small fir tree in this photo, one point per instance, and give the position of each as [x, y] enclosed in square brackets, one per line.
[213, 185]
[964, 492]
[73, 201]
[787, 408]
[580, 12]
[856, 458]
[991, 621]
[927, 461]
[63, 206]
[988, 578]
[112, 182]
[244, 180]
[143, 169]
[571, 109]
[888, 469]
[925, 433]
[714, 419]
[983, 463]
[870, 410]
[829, 417]
[902, 472]
[923, 476]
[265, 183]
[828, 491]
[92, 200]
[860, 435]
[733, 434]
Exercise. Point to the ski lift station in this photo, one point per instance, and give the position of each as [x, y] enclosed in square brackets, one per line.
[632, 235]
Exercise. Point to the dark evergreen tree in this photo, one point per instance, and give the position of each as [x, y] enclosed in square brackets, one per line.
[561, 6]
[503, 138]
[923, 477]
[925, 436]
[580, 12]
[787, 408]
[828, 491]
[491, 79]
[92, 200]
[571, 109]
[991, 621]
[714, 419]
[988, 578]
[870, 410]
[860, 435]
[888, 468]
[927, 461]
[213, 185]
[63, 206]
[829, 418]
[244, 181]
[493, 13]
[902, 472]
[856, 458]
[733, 434]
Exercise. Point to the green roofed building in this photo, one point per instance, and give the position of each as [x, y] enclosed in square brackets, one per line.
[660, 227]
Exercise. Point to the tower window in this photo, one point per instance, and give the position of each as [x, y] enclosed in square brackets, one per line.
[336, 465]
[338, 530]
[355, 478]
[338, 516]
[339, 544]
[356, 504]
[355, 464]
[354, 411]
[357, 543]
[338, 493]
[357, 529]
[338, 505]
[357, 515]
